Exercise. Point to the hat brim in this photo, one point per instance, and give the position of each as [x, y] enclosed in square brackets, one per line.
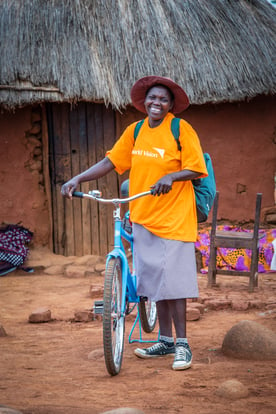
[140, 88]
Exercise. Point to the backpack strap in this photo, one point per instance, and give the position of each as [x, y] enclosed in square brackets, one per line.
[175, 127]
[137, 128]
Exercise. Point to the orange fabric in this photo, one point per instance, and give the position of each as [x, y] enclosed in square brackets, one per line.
[155, 154]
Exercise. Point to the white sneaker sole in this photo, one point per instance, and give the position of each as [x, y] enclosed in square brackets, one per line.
[179, 367]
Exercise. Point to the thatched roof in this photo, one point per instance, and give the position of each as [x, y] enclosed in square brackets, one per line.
[94, 50]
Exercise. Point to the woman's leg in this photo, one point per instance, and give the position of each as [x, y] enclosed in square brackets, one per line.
[177, 311]
[165, 346]
[164, 318]
[183, 353]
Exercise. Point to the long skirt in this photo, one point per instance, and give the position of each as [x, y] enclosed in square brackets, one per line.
[165, 269]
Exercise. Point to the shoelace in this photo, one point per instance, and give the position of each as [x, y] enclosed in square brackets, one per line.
[156, 347]
[181, 353]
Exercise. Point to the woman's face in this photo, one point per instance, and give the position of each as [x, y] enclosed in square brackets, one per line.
[158, 103]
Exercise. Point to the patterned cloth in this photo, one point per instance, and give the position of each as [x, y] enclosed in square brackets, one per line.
[236, 259]
[12, 244]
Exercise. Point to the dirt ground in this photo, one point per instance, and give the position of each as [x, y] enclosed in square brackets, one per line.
[58, 367]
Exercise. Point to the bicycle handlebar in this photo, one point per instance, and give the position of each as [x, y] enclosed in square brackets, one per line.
[77, 194]
[96, 195]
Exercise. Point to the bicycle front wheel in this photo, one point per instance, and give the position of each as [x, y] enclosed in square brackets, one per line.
[148, 314]
[113, 321]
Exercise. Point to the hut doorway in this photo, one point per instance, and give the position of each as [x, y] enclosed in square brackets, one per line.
[79, 136]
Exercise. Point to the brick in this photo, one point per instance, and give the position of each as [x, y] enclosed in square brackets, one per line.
[40, 315]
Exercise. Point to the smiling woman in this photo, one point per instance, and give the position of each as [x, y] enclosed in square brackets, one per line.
[164, 227]
[158, 102]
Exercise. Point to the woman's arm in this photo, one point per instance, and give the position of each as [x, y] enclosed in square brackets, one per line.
[164, 185]
[98, 170]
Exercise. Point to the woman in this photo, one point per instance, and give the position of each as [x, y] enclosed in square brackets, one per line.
[164, 227]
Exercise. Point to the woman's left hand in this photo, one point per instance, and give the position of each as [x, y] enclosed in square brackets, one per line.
[162, 186]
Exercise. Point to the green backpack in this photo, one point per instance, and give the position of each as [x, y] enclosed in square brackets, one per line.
[205, 188]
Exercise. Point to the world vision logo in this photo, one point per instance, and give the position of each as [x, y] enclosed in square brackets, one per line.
[146, 153]
[160, 151]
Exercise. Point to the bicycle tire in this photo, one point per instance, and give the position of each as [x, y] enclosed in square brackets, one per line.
[113, 321]
[148, 315]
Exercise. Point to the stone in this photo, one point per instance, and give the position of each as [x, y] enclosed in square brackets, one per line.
[96, 291]
[250, 340]
[75, 271]
[256, 303]
[40, 315]
[197, 305]
[218, 304]
[4, 409]
[240, 305]
[2, 331]
[84, 260]
[83, 316]
[42, 257]
[271, 306]
[124, 410]
[192, 314]
[54, 270]
[271, 218]
[96, 354]
[100, 267]
[232, 389]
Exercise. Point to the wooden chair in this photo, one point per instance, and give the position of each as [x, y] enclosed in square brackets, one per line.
[236, 240]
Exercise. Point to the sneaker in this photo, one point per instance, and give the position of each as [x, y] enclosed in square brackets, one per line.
[183, 357]
[157, 350]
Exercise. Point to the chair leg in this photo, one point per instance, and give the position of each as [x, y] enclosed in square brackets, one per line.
[253, 281]
[212, 267]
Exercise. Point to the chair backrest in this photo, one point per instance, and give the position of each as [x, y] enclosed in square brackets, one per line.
[257, 215]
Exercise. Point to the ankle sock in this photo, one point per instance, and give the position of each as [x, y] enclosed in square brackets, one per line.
[169, 341]
[181, 341]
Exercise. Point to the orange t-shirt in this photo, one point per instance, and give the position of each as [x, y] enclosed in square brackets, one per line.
[153, 155]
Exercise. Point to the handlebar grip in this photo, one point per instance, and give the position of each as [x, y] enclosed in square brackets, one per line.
[77, 194]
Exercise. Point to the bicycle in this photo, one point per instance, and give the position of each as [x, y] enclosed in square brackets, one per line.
[120, 297]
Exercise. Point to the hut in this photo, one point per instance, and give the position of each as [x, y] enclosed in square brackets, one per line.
[65, 76]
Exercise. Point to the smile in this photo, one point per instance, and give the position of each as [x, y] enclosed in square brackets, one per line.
[155, 110]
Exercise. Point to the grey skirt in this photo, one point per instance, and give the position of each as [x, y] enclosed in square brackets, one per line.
[165, 269]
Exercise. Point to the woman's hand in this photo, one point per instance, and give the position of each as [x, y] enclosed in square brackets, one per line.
[162, 186]
[68, 188]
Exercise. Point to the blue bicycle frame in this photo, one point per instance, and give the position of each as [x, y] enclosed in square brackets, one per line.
[129, 294]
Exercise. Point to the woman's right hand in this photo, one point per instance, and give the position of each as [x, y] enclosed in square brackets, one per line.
[69, 187]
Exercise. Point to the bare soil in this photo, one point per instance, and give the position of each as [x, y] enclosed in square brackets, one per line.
[58, 367]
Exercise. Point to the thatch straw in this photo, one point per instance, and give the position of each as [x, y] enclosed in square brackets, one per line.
[94, 50]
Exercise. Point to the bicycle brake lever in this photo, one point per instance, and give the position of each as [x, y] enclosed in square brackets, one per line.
[95, 193]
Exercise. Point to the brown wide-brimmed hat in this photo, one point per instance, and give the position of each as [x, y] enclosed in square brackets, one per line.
[140, 88]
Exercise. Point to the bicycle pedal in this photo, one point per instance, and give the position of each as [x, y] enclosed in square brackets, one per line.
[98, 307]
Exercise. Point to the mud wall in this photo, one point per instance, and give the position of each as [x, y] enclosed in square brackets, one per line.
[22, 194]
[241, 139]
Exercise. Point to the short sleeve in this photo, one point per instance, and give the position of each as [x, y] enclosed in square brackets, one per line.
[120, 154]
[191, 154]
